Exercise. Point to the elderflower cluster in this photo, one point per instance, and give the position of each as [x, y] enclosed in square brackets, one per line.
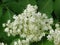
[30, 24]
[21, 42]
[55, 35]
[2, 43]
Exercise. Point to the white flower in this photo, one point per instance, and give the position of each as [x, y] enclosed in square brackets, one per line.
[10, 31]
[8, 34]
[56, 25]
[15, 43]
[55, 35]
[6, 29]
[21, 42]
[49, 37]
[51, 31]
[2, 43]
[51, 20]
[23, 35]
[30, 25]
[14, 17]
[3, 24]
[31, 8]
[8, 21]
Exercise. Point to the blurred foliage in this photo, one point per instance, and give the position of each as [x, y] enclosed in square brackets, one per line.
[45, 6]
[57, 9]
[10, 7]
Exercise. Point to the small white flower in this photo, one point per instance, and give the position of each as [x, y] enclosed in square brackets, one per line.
[56, 25]
[25, 42]
[15, 43]
[51, 31]
[8, 21]
[44, 16]
[14, 17]
[18, 31]
[6, 29]
[10, 31]
[19, 42]
[23, 35]
[2, 43]
[51, 20]
[3, 25]
[8, 34]
[49, 37]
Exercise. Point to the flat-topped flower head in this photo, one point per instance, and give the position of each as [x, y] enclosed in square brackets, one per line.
[30, 24]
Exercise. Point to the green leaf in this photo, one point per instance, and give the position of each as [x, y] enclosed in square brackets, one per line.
[46, 42]
[5, 16]
[45, 6]
[18, 7]
[57, 8]
[33, 2]
[0, 18]
[5, 1]
[0, 11]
